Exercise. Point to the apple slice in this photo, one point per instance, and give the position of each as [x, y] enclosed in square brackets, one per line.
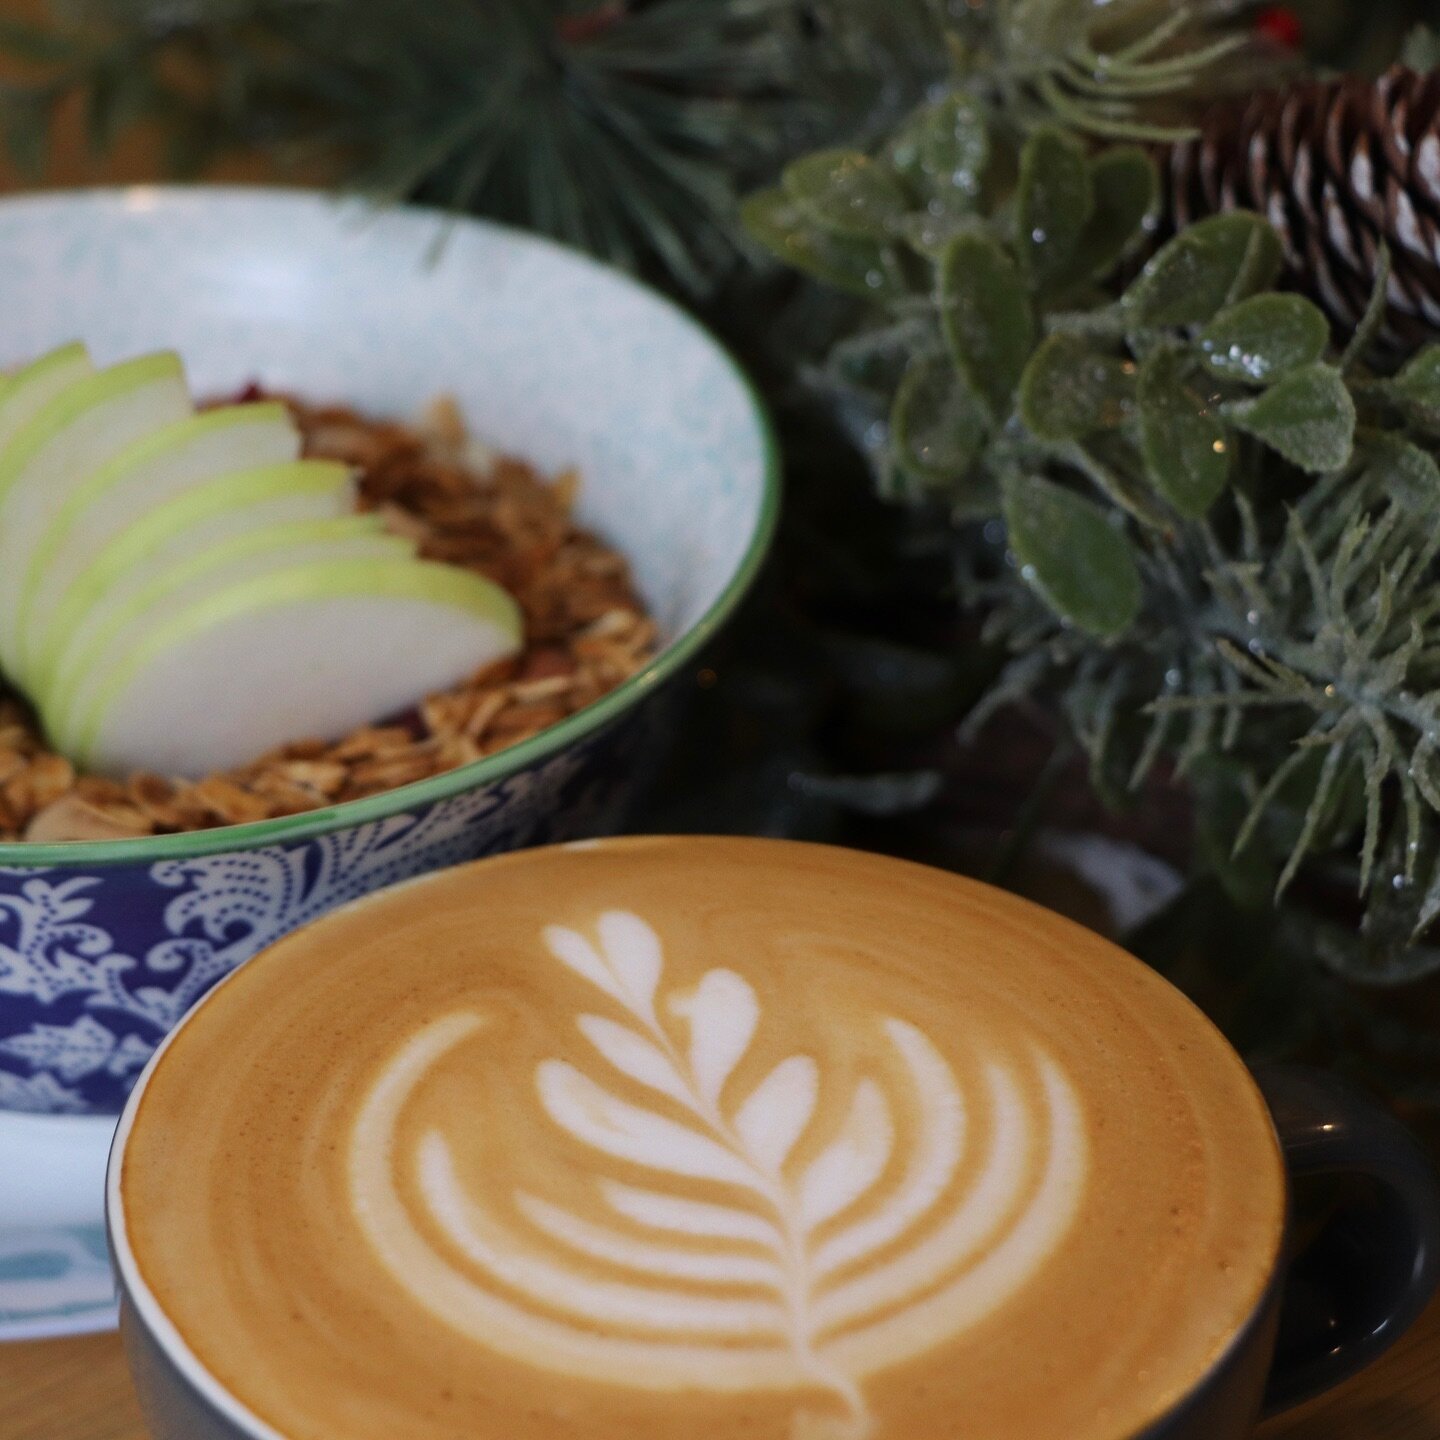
[221, 508]
[120, 621]
[315, 650]
[75, 432]
[35, 384]
[227, 440]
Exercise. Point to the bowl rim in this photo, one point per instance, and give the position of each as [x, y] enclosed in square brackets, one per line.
[191, 844]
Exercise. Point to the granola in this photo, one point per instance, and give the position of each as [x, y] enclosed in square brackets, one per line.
[586, 631]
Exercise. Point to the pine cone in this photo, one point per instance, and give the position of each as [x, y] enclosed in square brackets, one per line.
[1336, 166]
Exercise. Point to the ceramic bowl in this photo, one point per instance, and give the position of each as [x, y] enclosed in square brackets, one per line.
[104, 946]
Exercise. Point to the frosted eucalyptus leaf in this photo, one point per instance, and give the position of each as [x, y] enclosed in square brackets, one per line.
[1265, 337]
[942, 152]
[1182, 439]
[859, 266]
[1261, 267]
[1308, 417]
[1125, 187]
[1207, 266]
[1417, 387]
[875, 359]
[1069, 389]
[938, 424]
[930, 234]
[985, 310]
[1069, 552]
[1404, 473]
[1053, 204]
[846, 192]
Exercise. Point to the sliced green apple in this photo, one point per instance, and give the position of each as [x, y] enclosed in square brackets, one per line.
[36, 384]
[62, 443]
[158, 466]
[315, 650]
[187, 523]
[119, 622]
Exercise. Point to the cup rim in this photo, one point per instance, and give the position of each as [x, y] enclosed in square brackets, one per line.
[191, 844]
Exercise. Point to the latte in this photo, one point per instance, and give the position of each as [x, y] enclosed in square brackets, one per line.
[726, 1138]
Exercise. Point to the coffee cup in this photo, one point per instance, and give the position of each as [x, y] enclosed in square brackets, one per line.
[740, 1138]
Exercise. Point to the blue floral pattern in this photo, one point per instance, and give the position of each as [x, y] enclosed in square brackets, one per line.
[96, 968]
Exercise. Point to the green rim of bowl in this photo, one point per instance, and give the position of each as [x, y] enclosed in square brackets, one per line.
[479, 773]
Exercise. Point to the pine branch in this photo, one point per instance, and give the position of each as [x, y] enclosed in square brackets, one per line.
[627, 128]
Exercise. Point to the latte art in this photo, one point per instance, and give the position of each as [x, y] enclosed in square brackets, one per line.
[732, 1270]
[717, 1138]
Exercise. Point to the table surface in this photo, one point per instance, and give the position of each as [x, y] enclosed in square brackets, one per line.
[78, 1390]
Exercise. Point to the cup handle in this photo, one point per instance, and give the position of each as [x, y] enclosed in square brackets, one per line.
[1358, 1282]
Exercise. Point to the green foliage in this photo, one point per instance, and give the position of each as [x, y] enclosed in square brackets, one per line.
[1264, 337]
[777, 220]
[1307, 417]
[1070, 390]
[1206, 540]
[1071, 553]
[1053, 204]
[1183, 443]
[631, 127]
[986, 316]
[625, 128]
[1417, 390]
[1143, 398]
[845, 193]
[939, 425]
[941, 152]
[1212, 264]
[1123, 182]
[1115, 71]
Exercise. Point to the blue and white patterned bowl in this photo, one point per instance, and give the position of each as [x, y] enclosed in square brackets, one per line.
[103, 947]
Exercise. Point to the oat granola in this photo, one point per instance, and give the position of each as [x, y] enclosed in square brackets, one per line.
[586, 631]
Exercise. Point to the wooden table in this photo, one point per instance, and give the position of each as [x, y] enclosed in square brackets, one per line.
[78, 1390]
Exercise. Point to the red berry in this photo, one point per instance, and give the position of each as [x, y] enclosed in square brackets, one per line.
[1280, 25]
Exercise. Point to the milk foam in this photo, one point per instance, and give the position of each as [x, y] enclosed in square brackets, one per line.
[808, 1277]
[739, 1139]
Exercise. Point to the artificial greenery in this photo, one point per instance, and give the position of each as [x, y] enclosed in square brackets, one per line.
[1111, 71]
[623, 128]
[1115, 70]
[1202, 535]
[628, 127]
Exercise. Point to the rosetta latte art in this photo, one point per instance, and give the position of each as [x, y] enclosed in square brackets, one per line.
[750, 1260]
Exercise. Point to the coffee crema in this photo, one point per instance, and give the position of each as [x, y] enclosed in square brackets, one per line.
[727, 1137]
